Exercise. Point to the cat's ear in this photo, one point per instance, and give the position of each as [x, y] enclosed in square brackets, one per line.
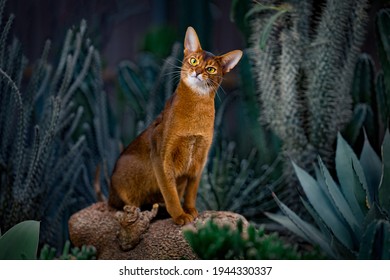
[229, 60]
[191, 41]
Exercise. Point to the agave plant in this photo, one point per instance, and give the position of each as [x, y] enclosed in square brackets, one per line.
[352, 216]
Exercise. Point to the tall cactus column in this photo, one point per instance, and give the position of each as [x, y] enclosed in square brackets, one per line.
[304, 71]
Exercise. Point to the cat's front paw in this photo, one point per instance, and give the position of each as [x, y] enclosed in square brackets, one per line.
[192, 211]
[183, 219]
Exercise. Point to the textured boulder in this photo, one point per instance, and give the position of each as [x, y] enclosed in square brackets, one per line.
[113, 235]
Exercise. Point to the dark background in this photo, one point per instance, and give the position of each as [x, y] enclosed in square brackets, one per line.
[118, 28]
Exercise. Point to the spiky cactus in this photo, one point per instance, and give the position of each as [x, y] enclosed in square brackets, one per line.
[145, 86]
[304, 71]
[54, 133]
[370, 91]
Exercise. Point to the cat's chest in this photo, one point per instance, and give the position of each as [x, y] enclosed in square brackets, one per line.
[189, 153]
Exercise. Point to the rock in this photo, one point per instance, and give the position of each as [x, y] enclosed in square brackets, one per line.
[100, 226]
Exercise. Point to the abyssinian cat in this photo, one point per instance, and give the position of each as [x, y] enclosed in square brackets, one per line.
[165, 162]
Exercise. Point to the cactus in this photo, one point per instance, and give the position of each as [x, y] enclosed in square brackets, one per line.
[371, 96]
[304, 73]
[230, 183]
[363, 96]
[352, 218]
[86, 252]
[382, 31]
[54, 134]
[214, 242]
[145, 87]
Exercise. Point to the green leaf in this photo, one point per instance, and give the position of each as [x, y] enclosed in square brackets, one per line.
[340, 203]
[268, 28]
[324, 208]
[338, 249]
[349, 181]
[20, 242]
[259, 8]
[305, 230]
[353, 129]
[327, 235]
[376, 241]
[384, 186]
[382, 28]
[371, 125]
[382, 100]
[372, 168]
[362, 86]
[132, 85]
[365, 250]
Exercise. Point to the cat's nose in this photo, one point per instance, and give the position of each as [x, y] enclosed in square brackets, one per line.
[197, 74]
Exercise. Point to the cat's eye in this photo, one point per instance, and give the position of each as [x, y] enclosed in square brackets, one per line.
[193, 61]
[211, 70]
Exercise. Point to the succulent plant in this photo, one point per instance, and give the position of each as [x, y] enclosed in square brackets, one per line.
[230, 183]
[144, 87]
[54, 133]
[215, 242]
[370, 91]
[304, 71]
[352, 216]
[86, 252]
[20, 242]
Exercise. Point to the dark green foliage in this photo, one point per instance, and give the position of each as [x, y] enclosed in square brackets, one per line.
[213, 242]
[382, 31]
[238, 12]
[304, 71]
[54, 135]
[267, 144]
[20, 242]
[159, 40]
[144, 87]
[231, 184]
[68, 253]
[370, 114]
[370, 92]
[352, 216]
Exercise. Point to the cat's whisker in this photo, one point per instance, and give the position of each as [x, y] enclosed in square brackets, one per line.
[218, 87]
[178, 60]
[175, 65]
[173, 77]
[176, 72]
